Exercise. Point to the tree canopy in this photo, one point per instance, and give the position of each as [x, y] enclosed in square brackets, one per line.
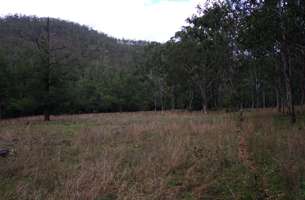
[230, 55]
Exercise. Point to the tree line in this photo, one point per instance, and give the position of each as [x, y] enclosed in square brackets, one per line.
[235, 54]
[51, 66]
[231, 54]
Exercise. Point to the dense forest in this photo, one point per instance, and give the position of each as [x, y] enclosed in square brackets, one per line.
[231, 54]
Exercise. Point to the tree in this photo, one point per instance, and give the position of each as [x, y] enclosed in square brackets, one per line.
[3, 84]
[53, 58]
[205, 49]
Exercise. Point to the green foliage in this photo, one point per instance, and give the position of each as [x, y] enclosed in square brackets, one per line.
[231, 54]
[88, 71]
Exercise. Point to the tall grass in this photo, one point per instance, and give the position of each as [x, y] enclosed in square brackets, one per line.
[154, 156]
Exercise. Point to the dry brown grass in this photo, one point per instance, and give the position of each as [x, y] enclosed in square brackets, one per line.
[149, 155]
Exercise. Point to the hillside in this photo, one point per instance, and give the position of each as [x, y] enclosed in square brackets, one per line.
[87, 67]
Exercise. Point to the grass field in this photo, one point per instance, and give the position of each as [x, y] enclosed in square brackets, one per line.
[147, 155]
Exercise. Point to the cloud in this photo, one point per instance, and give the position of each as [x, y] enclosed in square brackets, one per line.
[154, 20]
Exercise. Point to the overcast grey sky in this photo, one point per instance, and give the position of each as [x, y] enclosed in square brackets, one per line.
[153, 20]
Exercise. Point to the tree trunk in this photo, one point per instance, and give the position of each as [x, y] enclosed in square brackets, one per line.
[288, 82]
[303, 88]
[264, 99]
[204, 100]
[0, 108]
[204, 108]
[161, 89]
[278, 101]
[287, 68]
[173, 99]
[256, 91]
[304, 77]
[46, 116]
[155, 102]
[252, 100]
[191, 97]
[162, 103]
[257, 94]
[47, 75]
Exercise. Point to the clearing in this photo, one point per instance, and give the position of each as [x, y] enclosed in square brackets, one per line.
[154, 155]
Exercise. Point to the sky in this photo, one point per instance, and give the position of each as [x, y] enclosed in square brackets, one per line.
[151, 20]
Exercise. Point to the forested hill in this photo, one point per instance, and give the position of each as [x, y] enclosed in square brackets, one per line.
[231, 54]
[89, 71]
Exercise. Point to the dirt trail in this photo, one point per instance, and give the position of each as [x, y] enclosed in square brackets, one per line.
[245, 158]
[244, 155]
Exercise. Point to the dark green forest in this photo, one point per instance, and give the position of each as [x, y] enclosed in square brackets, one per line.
[231, 54]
